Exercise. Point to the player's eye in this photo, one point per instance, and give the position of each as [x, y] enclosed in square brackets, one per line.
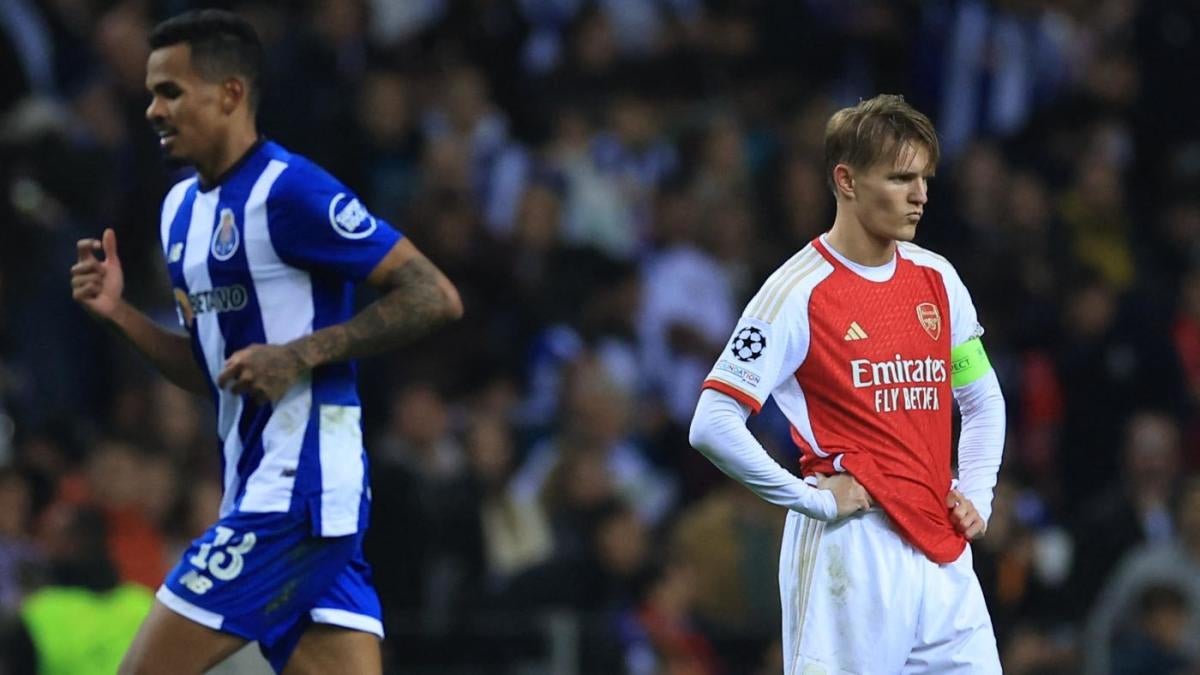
[168, 91]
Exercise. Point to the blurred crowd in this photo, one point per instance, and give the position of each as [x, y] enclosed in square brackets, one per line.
[608, 182]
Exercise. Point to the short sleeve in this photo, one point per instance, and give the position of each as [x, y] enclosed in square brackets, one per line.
[762, 353]
[318, 224]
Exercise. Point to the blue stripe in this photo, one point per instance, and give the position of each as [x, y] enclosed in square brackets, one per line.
[306, 493]
[243, 327]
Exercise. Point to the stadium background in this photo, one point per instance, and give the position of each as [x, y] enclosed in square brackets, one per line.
[607, 183]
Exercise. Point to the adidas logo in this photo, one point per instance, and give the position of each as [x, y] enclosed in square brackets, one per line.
[855, 332]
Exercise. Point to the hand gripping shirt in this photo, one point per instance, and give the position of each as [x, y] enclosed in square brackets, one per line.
[861, 368]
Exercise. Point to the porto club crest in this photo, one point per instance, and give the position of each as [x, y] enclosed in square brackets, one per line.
[226, 237]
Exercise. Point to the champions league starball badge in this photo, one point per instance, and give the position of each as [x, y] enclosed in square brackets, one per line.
[748, 344]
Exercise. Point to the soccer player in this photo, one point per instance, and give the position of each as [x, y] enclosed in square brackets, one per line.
[263, 249]
[862, 338]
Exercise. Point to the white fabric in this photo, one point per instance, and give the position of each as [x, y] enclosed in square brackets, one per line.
[341, 478]
[876, 273]
[186, 609]
[981, 442]
[346, 619]
[212, 340]
[859, 599]
[719, 432]
[779, 311]
[285, 301]
[170, 209]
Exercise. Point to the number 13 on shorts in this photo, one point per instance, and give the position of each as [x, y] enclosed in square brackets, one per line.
[221, 558]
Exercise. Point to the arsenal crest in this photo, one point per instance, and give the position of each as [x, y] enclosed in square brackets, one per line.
[930, 318]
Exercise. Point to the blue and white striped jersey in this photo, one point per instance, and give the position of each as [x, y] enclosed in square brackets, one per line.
[267, 255]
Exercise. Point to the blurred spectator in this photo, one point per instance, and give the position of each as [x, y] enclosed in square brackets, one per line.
[116, 475]
[425, 498]
[390, 145]
[611, 183]
[1002, 60]
[1157, 642]
[686, 315]
[516, 533]
[19, 559]
[1022, 565]
[1136, 509]
[730, 539]
[660, 635]
[605, 181]
[1097, 221]
[1186, 335]
[598, 578]
[419, 438]
[1107, 359]
[1175, 564]
[85, 619]
[593, 448]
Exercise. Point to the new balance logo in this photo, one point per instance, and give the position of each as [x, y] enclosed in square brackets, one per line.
[855, 332]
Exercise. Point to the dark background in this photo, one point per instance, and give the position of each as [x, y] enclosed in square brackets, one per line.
[608, 183]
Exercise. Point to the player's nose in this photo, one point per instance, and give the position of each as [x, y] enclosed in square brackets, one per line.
[920, 193]
[155, 111]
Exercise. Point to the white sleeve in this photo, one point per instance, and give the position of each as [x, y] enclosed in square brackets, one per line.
[964, 320]
[771, 338]
[981, 442]
[719, 432]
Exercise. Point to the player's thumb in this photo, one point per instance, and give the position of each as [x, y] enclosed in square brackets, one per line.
[110, 246]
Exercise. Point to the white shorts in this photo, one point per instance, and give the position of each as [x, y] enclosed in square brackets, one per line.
[859, 599]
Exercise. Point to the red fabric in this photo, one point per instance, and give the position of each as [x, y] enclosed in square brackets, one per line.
[894, 437]
[733, 391]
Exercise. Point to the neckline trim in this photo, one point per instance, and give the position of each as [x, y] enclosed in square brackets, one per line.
[876, 274]
[233, 168]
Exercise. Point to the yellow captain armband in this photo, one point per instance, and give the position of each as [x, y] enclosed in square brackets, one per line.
[968, 362]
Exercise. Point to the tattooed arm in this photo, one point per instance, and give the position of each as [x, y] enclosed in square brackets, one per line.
[417, 298]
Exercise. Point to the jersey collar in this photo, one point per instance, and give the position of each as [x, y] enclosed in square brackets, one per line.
[233, 168]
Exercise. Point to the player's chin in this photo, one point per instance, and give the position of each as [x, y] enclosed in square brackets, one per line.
[174, 154]
[905, 232]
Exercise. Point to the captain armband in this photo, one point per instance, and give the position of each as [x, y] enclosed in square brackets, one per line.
[968, 362]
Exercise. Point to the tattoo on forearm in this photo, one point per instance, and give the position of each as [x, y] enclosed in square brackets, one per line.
[414, 305]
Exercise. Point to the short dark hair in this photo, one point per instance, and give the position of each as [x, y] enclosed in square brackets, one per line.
[223, 44]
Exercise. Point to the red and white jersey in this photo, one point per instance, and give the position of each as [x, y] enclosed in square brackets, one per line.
[858, 359]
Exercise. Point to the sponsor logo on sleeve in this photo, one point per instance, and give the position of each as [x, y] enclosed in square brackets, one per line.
[739, 372]
[349, 218]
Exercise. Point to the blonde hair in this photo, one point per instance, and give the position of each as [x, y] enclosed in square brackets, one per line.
[864, 134]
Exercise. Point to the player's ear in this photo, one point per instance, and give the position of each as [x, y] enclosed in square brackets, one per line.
[233, 91]
[843, 180]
